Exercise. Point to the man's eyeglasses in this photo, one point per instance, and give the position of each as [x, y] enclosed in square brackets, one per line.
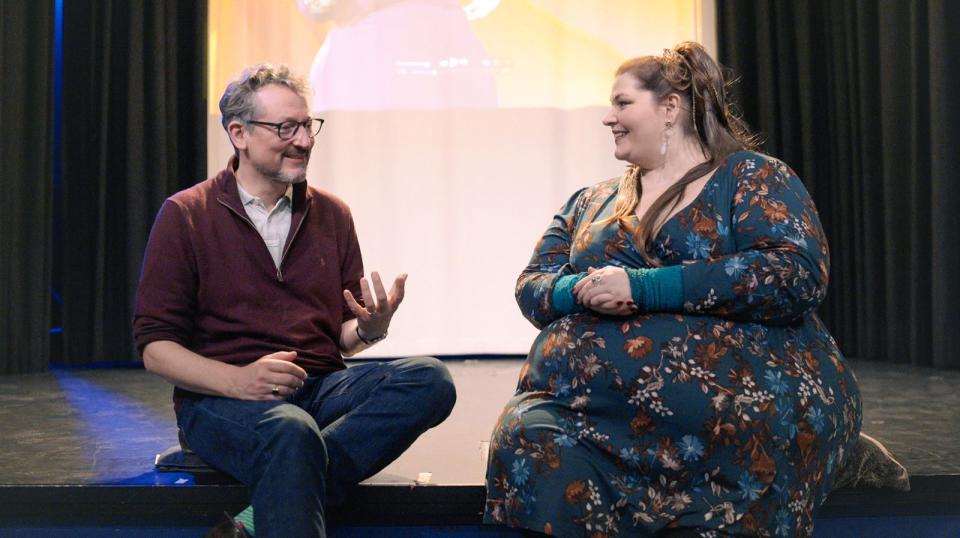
[288, 129]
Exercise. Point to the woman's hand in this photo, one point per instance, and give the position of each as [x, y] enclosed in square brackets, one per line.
[607, 291]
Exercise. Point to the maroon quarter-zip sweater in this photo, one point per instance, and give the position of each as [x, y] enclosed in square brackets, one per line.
[208, 281]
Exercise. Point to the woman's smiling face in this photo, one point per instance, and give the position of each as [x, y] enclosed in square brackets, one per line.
[636, 120]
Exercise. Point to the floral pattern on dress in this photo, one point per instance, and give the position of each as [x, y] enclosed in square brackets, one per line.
[729, 416]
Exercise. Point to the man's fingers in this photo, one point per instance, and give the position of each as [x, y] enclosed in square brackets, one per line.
[378, 288]
[283, 366]
[280, 386]
[282, 355]
[378, 303]
[368, 302]
[292, 370]
[399, 286]
[277, 391]
[286, 380]
[353, 305]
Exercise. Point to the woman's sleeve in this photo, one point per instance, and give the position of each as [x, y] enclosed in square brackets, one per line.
[781, 266]
[550, 262]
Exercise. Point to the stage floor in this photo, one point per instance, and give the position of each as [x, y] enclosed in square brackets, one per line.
[104, 426]
[85, 439]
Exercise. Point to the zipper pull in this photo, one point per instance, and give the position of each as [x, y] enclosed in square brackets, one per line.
[279, 275]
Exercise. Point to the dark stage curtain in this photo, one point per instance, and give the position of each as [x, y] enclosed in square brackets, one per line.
[26, 117]
[860, 98]
[134, 132]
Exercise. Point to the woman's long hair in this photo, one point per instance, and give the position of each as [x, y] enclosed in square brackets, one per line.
[690, 72]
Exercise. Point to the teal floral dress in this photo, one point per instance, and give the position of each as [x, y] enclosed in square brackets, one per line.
[730, 416]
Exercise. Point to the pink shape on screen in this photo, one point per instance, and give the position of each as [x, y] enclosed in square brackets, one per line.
[416, 54]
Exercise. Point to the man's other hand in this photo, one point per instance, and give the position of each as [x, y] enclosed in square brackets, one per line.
[271, 377]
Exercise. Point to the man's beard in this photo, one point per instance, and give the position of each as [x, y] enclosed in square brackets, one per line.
[281, 177]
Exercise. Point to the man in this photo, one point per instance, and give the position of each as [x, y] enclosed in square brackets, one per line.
[247, 303]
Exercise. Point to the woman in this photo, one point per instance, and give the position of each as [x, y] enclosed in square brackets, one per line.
[682, 382]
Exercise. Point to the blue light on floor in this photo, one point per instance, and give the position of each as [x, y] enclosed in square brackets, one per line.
[122, 435]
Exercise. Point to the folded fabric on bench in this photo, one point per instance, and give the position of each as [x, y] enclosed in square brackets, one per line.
[872, 465]
[180, 458]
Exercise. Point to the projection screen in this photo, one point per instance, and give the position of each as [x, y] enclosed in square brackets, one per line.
[454, 130]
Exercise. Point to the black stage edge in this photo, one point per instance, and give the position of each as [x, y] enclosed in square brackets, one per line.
[375, 505]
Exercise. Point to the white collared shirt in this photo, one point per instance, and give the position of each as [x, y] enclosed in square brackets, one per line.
[273, 225]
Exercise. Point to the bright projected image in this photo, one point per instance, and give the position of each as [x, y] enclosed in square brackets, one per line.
[454, 130]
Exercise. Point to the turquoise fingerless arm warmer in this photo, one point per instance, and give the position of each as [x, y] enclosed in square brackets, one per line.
[657, 290]
[564, 302]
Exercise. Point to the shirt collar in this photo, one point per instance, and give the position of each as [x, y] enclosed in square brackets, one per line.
[246, 198]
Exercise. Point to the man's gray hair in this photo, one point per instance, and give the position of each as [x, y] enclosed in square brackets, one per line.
[239, 99]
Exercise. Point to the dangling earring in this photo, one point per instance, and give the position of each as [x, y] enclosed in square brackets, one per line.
[665, 138]
[693, 109]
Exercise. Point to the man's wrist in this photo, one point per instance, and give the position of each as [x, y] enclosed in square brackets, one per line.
[367, 340]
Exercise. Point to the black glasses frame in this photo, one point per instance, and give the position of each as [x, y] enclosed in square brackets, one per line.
[307, 124]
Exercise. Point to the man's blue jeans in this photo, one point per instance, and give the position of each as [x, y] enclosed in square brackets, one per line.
[298, 455]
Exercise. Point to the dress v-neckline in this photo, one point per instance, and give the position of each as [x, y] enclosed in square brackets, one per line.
[635, 220]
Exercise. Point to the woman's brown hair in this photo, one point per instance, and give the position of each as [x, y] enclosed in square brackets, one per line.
[688, 71]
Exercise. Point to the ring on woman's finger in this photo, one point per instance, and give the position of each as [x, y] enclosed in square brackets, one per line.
[595, 280]
[276, 390]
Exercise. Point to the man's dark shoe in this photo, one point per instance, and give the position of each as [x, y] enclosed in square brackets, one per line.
[228, 528]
